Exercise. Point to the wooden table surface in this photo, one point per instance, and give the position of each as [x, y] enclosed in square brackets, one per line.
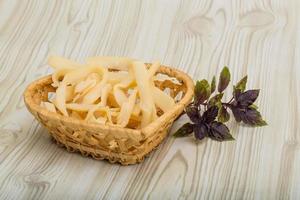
[260, 38]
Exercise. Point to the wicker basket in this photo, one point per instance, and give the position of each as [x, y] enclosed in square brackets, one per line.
[123, 145]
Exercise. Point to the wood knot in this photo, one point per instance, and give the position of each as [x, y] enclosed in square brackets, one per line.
[256, 19]
[199, 25]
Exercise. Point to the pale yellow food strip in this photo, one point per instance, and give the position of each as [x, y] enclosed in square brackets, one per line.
[162, 100]
[83, 91]
[79, 96]
[104, 94]
[91, 114]
[153, 69]
[146, 100]
[69, 93]
[136, 109]
[58, 62]
[120, 96]
[49, 106]
[116, 77]
[58, 74]
[83, 85]
[126, 109]
[77, 75]
[94, 76]
[60, 99]
[120, 63]
[95, 93]
[118, 92]
[79, 107]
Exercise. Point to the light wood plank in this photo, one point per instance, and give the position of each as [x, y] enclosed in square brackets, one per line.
[260, 38]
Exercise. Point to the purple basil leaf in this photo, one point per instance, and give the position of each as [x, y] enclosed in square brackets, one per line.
[185, 130]
[220, 132]
[223, 115]
[248, 115]
[193, 113]
[213, 84]
[224, 79]
[200, 131]
[252, 117]
[236, 93]
[202, 91]
[237, 113]
[247, 98]
[210, 114]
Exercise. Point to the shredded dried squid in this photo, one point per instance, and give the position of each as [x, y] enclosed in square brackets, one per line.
[117, 91]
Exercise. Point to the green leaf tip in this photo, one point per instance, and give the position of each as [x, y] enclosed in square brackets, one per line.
[224, 79]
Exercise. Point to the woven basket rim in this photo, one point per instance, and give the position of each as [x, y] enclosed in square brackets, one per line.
[144, 132]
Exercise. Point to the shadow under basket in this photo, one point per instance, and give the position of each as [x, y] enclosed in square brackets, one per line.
[123, 145]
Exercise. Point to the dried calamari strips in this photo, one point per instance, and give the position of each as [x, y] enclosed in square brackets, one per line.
[79, 107]
[58, 62]
[153, 69]
[119, 63]
[95, 93]
[104, 94]
[126, 109]
[58, 75]
[100, 93]
[60, 99]
[118, 91]
[69, 93]
[162, 100]
[84, 90]
[117, 77]
[49, 106]
[77, 75]
[144, 87]
[98, 113]
[136, 109]
[83, 85]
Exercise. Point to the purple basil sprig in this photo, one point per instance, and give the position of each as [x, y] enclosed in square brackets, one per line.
[208, 113]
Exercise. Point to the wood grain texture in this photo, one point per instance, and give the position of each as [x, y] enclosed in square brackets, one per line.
[260, 38]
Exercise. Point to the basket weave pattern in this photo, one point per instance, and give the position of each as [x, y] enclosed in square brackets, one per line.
[123, 145]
